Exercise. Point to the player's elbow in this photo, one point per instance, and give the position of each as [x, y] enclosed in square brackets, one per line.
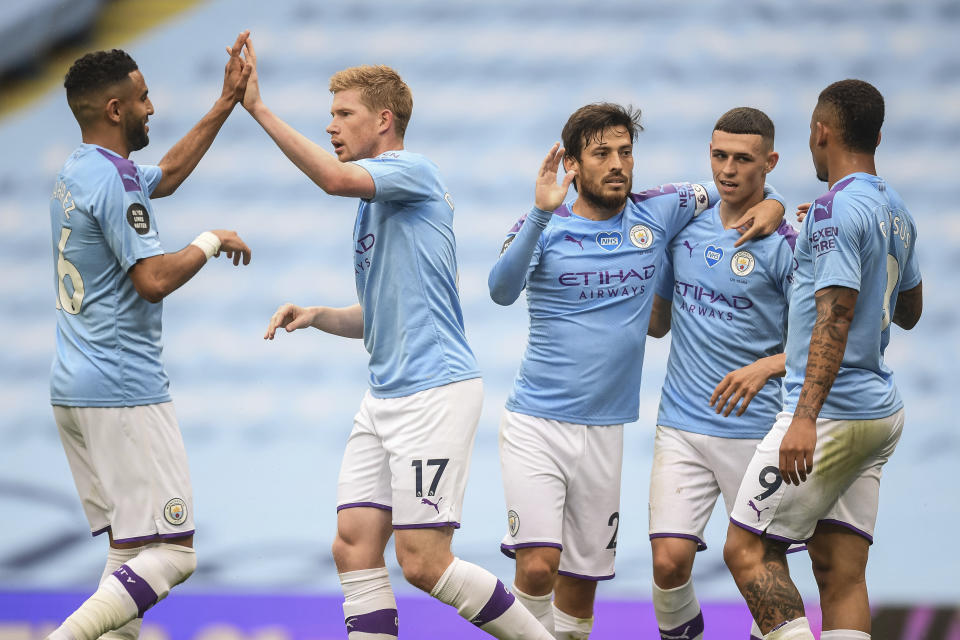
[152, 292]
[657, 331]
[148, 284]
[502, 297]
[907, 322]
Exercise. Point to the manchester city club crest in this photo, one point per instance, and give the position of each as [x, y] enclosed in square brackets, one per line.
[175, 511]
[513, 522]
[742, 263]
[641, 236]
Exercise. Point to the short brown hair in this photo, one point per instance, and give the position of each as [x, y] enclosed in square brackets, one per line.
[589, 122]
[380, 88]
[747, 120]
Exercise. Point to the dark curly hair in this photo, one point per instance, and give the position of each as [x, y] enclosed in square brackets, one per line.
[859, 110]
[589, 122]
[94, 72]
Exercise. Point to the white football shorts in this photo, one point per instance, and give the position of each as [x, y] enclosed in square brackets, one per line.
[561, 482]
[843, 489]
[130, 468]
[689, 471]
[411, 455]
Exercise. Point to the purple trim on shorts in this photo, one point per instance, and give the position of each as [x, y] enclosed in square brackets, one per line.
[381, 621]
[689, 629]
[375, 505]
[509, 550]
[99, 531]
[156, 536]
[583, 577]
[701, 545]
[797, 549]
[766, 534]
[857, 531]
[427, 525]
[142, 593]
[500, 600]
[753, 637]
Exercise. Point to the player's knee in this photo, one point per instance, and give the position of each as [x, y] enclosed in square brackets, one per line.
[537, 572]
[420, 570]
[833, 574]
[738, 554]
[671, 570]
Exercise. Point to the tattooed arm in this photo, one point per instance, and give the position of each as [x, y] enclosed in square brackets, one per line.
[909, 307]
[827, 343]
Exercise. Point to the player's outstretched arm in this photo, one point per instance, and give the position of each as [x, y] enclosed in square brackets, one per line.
[660, 316]
[828, 341]
[335, 177]
[909, 307]
[183, 157]
[745, 383]
[157, 277]
[345, 321]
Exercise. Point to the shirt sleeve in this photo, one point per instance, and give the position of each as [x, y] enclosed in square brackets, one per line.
[665, 279]
[784, 264]
[126, 221]
[518, 257]
[911, 271]
[835, 243]
[151, 175]
[399, 177]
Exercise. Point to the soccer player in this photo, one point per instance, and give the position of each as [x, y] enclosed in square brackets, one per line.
[727, 308]
[816, 476]
[108, 387]
[589, 268]
[405, 467]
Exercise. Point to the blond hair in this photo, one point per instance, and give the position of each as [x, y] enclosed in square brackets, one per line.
[380, 88]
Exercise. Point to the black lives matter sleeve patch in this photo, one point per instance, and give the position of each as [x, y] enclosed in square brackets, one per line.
[138, 218]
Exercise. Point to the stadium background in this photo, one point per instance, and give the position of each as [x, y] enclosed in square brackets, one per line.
[493, 83]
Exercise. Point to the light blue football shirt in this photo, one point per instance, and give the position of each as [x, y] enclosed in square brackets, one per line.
[858, 235]
[729, 308]
[590, 287]
[405, 259]
[108, 337]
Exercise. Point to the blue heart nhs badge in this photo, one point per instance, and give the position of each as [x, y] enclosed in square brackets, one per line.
[609, 240]
[712, 254]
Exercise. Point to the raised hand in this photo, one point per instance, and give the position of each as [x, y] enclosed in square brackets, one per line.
[233, 246]
[802, 210]
[549, 195]
[236, 73]
[251, 95]
[290, 317]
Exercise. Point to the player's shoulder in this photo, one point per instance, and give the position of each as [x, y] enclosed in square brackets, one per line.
[401, 158]
[648, 196]
[783, 239]
[91, 168]
[843, 198]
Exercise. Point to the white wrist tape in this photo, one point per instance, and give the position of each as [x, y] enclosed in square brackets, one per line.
[208, 242]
